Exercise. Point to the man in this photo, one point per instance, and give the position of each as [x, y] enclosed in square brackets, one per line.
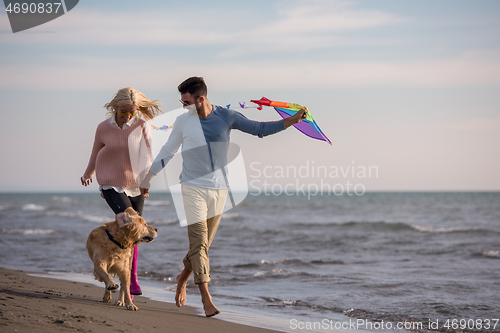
[203, 133]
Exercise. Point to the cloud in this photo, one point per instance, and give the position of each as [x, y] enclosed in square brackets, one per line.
[189, 45]
[290, 25]
[72, 73]
[312, 24]
[321, 16]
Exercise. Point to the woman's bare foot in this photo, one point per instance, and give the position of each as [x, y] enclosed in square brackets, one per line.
[180, 293]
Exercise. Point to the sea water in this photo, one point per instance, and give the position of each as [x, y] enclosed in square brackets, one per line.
[375, 262]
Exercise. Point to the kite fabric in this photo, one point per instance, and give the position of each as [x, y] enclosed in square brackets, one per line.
[307, 126]
[162, 128]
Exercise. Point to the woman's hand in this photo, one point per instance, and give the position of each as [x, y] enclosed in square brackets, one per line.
[86, 181]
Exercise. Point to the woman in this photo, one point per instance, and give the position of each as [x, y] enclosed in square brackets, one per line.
[121, 156]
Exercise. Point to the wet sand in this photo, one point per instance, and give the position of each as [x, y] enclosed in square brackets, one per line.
[45, 305]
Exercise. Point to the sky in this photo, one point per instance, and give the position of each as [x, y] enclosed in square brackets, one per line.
[407, 90]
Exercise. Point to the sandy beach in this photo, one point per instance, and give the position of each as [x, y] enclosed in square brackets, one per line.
[36, 304]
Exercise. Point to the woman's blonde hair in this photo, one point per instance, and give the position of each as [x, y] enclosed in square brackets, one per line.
[129, 96]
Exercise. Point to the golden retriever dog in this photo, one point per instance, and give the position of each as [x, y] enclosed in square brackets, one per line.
[111, 247]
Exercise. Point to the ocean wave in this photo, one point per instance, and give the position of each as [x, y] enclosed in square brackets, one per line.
[284, 262]
[267, 232]
[91, 218]
[327, 262]
[299, 303]
[29, 231]
[280, 273]
[61, 214]
[280, 301]
[383, 225]
[422, 228]
[387, 226]
[232, 216]
[275, 272]
[291, 262]
[163, 222]
[156, 203]
[62, 199]
[31, 206]
[490, 254]
[97, 219]
[249, 265]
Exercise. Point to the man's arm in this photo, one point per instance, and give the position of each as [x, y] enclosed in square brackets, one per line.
[262, 129]
[164, 156]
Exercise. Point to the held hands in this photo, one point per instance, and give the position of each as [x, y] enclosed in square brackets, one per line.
[144, 192]
[146, 184]
[144, 187]
[296, 118]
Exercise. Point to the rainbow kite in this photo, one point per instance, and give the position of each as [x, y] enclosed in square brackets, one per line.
[162, 128]
[307, 126]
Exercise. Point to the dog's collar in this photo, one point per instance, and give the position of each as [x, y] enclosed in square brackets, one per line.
[121, 246]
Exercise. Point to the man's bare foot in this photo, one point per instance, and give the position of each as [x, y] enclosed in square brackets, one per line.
[209, 307]
[180, 293]
[206, 299]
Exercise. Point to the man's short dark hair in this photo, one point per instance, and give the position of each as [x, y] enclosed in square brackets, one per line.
[194, 86]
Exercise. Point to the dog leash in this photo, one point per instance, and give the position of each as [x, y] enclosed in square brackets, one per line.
[115, 241]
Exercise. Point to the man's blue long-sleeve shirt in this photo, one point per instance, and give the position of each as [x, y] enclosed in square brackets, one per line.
[205, 143]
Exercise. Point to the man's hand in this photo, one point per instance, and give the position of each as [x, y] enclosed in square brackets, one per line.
[296, 118]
